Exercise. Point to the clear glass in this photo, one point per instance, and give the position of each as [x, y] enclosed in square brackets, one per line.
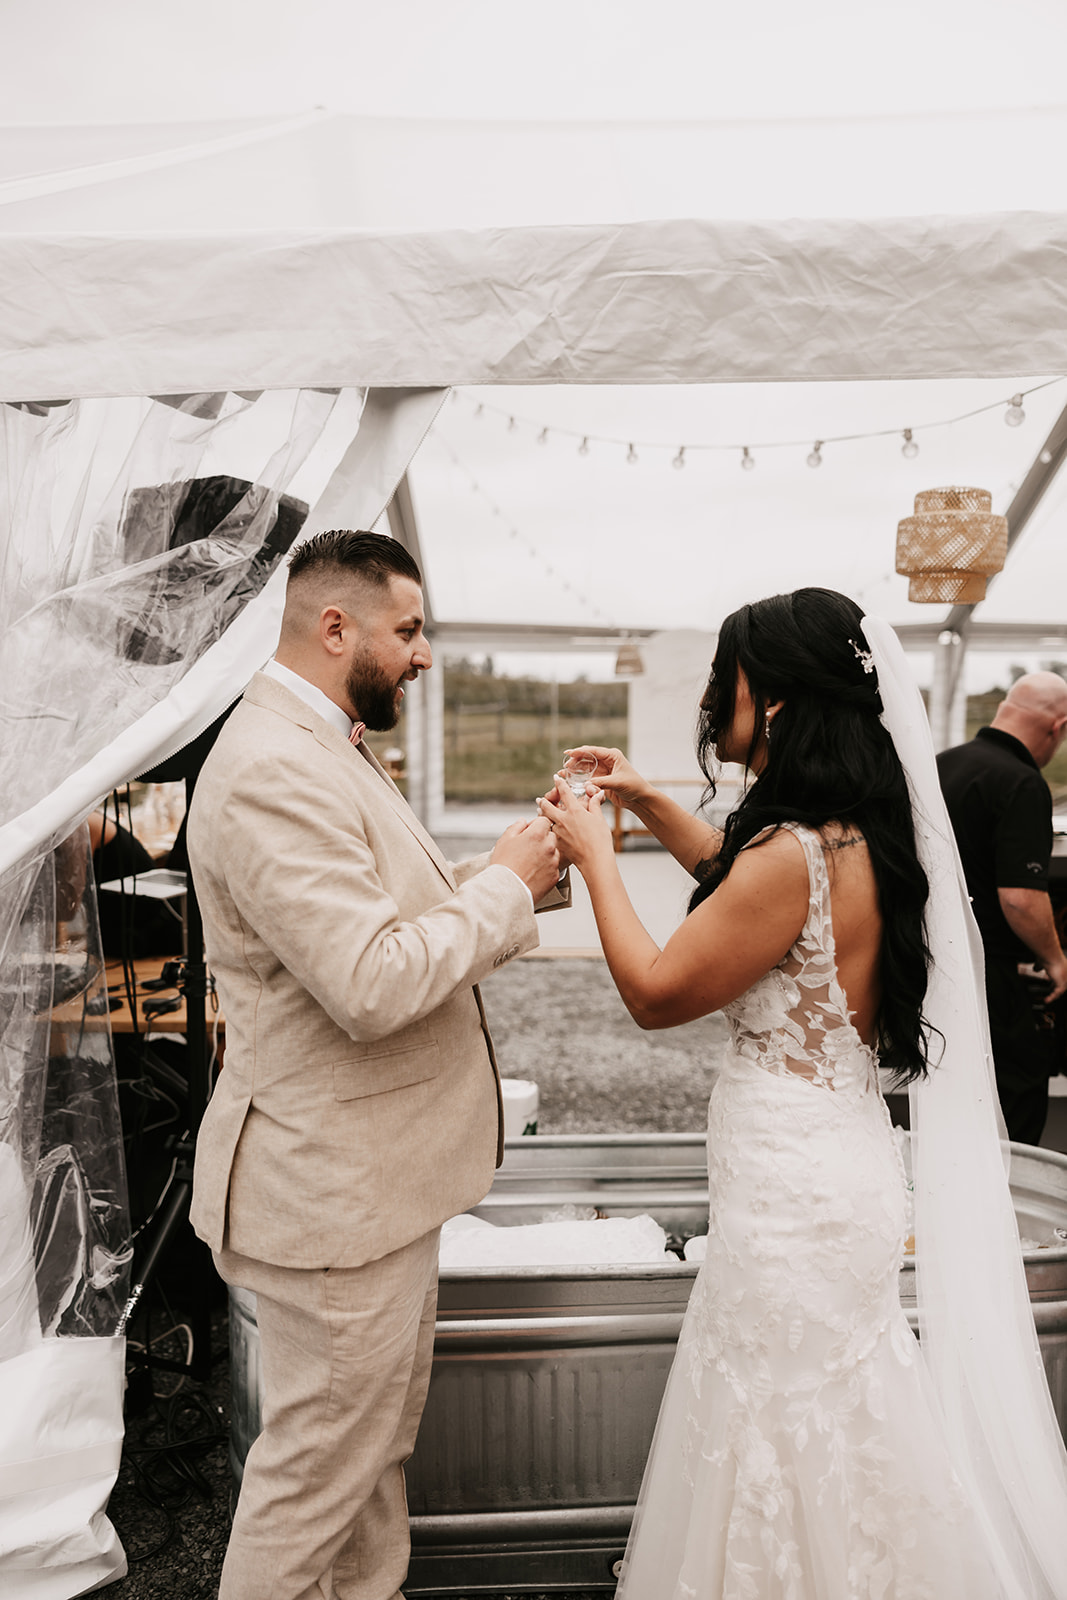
[577, 770]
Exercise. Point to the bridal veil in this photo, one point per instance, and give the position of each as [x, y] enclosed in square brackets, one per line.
[975, 1320]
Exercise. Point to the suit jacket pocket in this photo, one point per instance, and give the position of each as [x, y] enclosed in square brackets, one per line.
[410, 1056]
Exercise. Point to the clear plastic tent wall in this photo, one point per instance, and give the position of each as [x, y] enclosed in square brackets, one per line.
[133, 533]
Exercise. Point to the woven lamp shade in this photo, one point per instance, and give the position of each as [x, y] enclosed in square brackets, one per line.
[951, 546]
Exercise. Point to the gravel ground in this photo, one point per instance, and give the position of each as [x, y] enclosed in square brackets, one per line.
[561, 1023]
[556, 1021]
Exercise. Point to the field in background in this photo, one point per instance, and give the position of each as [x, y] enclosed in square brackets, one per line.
[511, 756]
[505, 737]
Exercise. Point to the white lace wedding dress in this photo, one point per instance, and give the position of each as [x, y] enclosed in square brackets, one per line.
[798, 1455]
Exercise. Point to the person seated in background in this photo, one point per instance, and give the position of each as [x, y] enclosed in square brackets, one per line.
[130, 924]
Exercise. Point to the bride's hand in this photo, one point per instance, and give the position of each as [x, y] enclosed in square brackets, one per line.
[614, 774]
[578, 822]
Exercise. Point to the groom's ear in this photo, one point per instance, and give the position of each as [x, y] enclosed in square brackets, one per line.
[334, 624]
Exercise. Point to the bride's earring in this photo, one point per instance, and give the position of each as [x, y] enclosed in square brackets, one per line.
[767, 729]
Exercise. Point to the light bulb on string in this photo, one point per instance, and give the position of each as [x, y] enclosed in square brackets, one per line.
[1014, 417]
[1045, 457]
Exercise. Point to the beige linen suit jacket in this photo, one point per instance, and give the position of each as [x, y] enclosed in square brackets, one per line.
[359, 1103]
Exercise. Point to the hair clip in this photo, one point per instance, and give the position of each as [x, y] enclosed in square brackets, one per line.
[864, 657]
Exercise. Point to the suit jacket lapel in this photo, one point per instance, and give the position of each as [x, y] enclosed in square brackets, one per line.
[404, 812]
[268, 692]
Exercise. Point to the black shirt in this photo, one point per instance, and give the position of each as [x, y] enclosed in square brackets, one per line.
[1001, 812]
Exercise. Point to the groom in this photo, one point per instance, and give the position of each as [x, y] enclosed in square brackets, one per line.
[359, 1104]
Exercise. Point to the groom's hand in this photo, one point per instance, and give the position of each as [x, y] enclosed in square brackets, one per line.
[529, 849]
[564, 859]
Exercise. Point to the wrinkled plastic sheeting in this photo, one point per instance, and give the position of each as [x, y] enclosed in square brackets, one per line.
[131, 539]
[132, 532]
[64, 1236]
[64, 1247]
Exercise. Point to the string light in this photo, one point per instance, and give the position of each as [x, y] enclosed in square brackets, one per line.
[1045, 457]
[1013, 413]
[532, 551]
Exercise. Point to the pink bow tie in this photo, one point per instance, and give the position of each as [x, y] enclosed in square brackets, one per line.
[358, 730]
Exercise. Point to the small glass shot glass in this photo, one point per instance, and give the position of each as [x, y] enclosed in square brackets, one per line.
[577, 770]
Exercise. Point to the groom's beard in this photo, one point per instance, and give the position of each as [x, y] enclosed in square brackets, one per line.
[375, 697]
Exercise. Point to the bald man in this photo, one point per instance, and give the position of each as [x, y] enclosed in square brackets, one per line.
[1001, 813]
[359, 1105]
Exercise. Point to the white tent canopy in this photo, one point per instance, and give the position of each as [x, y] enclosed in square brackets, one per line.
[332, 250]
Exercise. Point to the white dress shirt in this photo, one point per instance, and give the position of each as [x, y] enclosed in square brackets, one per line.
[311, 696]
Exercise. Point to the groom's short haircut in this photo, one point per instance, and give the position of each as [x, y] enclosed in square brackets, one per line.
[369, 556]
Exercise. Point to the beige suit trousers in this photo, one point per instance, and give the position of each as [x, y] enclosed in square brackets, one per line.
[346, 1353]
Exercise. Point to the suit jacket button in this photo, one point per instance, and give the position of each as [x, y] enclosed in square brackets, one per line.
[507, 955]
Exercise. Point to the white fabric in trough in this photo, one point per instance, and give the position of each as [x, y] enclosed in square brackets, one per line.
[472, 1242]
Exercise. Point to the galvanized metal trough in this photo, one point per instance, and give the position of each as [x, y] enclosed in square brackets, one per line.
[547, 1381]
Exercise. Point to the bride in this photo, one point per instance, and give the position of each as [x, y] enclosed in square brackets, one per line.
[806, 1449]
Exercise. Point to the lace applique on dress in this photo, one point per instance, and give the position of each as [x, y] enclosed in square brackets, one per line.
[796, 1456]
[795, 1018]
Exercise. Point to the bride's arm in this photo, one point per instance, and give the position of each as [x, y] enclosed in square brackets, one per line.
[693, 843]
[739, 933]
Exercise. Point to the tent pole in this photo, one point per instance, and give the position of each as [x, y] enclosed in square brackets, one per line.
[1044, 468]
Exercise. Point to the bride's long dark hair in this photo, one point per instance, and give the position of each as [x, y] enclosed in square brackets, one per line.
[828, 759]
